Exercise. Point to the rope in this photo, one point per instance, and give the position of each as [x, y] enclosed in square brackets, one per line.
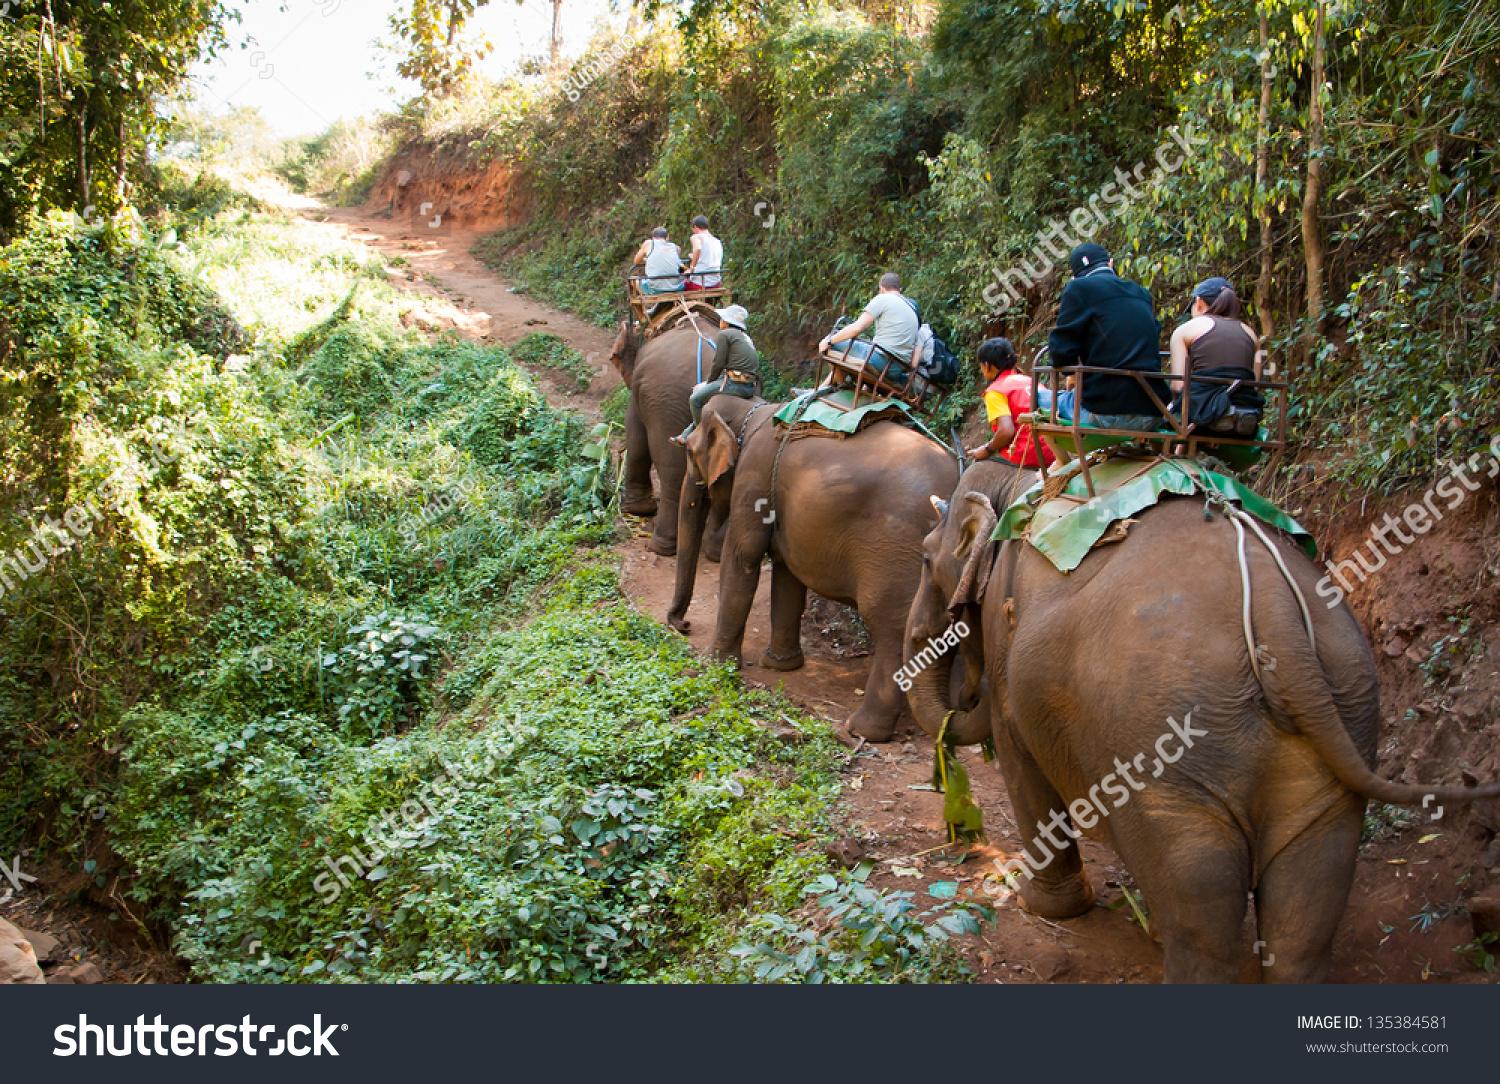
[744, 425]
[1239, 518]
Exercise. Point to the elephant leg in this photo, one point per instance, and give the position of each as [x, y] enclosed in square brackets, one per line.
[788, 600]
[713, 541]
[1195, 872]
[671, 464]
[745, 545]
[1054, 884]
[885, 616]
[637, 498]
[1302, 894]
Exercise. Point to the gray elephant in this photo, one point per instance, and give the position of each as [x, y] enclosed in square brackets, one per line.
[1123, 703]
[846, 519]
[660, 374]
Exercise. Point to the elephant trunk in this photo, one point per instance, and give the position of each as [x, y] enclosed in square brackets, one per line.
[930, 671]
[622, 354]
[692, 516]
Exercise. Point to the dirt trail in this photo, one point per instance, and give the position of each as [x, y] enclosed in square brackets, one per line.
[889, 813]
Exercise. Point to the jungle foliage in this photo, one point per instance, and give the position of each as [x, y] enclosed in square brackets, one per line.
[327, 562]
[828, 144]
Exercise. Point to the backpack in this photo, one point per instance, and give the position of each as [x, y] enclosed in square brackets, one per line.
[932, 356]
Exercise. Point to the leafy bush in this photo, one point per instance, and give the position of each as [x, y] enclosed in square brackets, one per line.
[861, 935]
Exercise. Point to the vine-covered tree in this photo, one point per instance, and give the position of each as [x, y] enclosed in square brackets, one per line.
[79, 81]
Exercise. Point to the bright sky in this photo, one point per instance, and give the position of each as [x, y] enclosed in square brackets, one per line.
[309, 62]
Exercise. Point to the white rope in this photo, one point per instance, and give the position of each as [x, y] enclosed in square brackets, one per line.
[1245, 596]
[1238, 517]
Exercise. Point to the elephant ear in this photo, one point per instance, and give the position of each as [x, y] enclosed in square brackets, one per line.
[713, 449]
[974, 551]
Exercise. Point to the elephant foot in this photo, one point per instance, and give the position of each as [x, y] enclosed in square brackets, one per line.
[657, 545]
[873, 727]
[680, 623]
[1067, 900]
[638, 506]
[781, 662]
[711, 554]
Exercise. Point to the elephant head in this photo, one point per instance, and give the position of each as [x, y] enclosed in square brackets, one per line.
[622, 354]
[712, 452]
[958, 560]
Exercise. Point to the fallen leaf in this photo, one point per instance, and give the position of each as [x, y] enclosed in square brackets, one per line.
[1429, 837]
[857, 783]
[906, 871]
[943, 890]
[1395, 861]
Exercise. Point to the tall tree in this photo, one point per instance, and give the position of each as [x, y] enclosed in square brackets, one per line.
[79, 82]
[1312, 240]
[1262, 176]
[439, 56]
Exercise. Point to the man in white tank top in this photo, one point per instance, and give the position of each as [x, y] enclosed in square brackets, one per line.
[707, 261]
[663, 262]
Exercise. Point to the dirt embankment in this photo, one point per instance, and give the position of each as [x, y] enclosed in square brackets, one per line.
[1428, 603]
[429, 188]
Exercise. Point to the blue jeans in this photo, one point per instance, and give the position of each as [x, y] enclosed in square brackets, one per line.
[661, 286]
[1148, 422]
[883, 364]
[705, 391]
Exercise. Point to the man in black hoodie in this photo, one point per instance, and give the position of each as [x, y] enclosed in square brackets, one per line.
[1110, 323]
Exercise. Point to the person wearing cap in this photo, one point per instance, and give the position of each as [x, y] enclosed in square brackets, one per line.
[707, 261]
[663, 263]
[736, 367]
[1006, 398]
[1106, 322]
[1215, 342]
[896, 321]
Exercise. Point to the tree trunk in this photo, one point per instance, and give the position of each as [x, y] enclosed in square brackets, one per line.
[1312, 242]
[1262, 175]
[83, 160]
[555, 45]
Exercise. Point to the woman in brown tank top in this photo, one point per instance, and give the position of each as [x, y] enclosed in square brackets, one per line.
[1216, 343]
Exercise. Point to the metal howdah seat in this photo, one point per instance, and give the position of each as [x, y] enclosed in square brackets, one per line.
[1069, 439]
[870, 378]
[655, 313]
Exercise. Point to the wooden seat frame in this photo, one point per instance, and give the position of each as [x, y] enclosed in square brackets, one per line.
[859, 375]
[1182, 434]
[673, 307]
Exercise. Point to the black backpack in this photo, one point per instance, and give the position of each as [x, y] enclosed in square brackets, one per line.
[942, 367]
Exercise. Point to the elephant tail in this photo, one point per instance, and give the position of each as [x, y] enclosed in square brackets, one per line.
[1302, 701]
[1301, 698]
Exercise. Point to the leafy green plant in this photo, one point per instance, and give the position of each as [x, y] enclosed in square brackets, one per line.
[859, 934]
[380, 671]
[1479, 952]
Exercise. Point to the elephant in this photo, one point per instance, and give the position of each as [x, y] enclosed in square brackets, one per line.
[660, 375]
[1253, 779]
[846, 520]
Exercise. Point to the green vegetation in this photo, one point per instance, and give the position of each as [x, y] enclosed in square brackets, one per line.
[337, 573]
[830, 143]
[550, 352]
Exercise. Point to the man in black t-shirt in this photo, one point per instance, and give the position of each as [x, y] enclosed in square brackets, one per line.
[1110, 323]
